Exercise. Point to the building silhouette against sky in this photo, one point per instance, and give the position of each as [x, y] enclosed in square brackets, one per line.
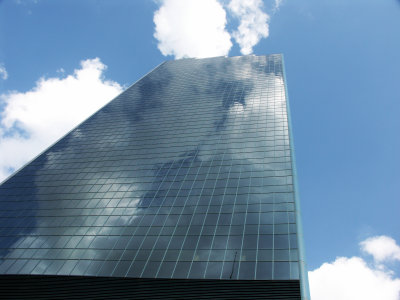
[188, 174]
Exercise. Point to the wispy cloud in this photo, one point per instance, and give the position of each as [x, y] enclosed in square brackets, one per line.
[191, 28]
[277, 4]
[19, 2]
[3, 72]
[253, 23]
[33, 120]
[353, 278]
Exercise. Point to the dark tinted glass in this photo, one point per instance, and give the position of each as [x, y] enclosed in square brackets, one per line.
[186, 174]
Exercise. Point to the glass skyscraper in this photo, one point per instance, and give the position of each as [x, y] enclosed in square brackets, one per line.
[188, 175]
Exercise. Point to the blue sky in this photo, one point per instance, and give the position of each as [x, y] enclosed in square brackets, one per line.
[343, 72]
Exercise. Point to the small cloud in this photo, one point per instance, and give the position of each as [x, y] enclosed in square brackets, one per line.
[61, 70]
[382, 248]
[191, 28]
[278, 3]
[253, 23]
[32, 121]
[352, 278]
[3, 72]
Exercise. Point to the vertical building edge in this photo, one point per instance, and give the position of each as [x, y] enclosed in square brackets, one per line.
[304, 287]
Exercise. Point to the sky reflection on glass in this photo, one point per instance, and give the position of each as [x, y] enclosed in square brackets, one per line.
[187, 174]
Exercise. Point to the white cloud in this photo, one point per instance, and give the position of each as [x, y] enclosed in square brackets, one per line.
[382, 248]
[191, 28]
[3, 72]
[277, 4]
[197, 28]
[32, 121]
[253, 23]
[353, 279]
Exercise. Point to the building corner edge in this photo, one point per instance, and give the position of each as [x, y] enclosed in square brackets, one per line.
[304, 286]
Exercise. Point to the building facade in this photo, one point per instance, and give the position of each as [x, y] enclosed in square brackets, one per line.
[188, 175]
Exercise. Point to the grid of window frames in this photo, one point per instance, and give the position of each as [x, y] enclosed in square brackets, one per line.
[187, 174]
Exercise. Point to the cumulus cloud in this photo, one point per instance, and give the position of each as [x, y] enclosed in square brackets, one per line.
[191, 28]
[382, 248]
[253, 23]
[3, 72]
[198, 28]
[33, 120]
[353, 278]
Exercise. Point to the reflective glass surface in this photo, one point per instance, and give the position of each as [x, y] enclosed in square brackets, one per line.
[186, 174]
